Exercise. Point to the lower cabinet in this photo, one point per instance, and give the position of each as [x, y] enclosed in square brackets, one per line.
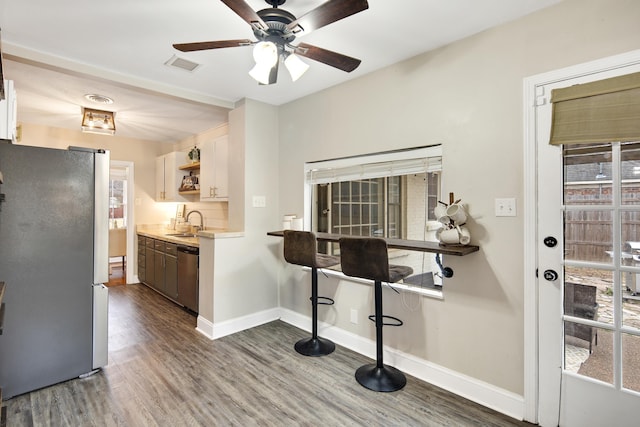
[158, 268]
[142, 259]
[171, 271]
[150, 260]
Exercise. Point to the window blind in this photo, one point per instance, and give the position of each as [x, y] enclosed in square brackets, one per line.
[601, 111]
[375, 166]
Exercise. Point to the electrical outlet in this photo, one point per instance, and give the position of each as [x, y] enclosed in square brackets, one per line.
[506, 207]
[354, 316]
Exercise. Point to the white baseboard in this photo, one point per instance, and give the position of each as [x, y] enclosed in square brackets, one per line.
[214, 331]
[485, 394]
[205, 327]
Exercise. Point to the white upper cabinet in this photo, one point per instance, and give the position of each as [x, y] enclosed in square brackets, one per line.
[8, 121]
[214, 172]
[167, 178]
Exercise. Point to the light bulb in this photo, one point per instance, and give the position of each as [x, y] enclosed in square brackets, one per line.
[266, 57]
[265, 54]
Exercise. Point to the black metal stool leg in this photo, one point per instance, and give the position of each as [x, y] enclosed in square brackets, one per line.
[314, 346]
[378, 376]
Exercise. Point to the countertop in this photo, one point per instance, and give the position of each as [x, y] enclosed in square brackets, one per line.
[163, 233]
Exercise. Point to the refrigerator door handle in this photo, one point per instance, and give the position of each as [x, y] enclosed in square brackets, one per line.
[101, 226]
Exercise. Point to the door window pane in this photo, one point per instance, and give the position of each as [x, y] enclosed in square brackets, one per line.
[588, 294]
[630, 173]
[597, 364]
[587, 176]
[631, 362]
[631, 306]
[588, 235]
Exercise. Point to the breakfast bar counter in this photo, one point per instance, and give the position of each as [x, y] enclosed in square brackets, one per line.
[410, 245]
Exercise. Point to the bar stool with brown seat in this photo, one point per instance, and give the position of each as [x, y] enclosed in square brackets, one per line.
[367, 258]
[300, 249]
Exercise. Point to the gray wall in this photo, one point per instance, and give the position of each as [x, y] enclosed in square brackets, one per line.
[467, 96]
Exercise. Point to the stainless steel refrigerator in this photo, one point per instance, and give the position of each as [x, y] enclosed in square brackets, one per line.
[54, 262]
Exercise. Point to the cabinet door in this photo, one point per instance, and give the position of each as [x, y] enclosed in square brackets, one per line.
[221, 168]
[160, 190]
[214, 170]
[150, 267]
[171, 180]
[8, 111]
[168, 178]
[141, 258]
[142, 266]
[171, 276]
[207, 175]
[158, 271]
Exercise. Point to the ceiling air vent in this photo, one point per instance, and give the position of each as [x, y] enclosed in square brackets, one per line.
[181, 63]
[98, 99]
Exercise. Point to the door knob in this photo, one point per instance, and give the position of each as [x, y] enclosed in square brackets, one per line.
[550, 275]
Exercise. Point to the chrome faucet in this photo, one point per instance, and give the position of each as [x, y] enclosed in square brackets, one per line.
[201, 227]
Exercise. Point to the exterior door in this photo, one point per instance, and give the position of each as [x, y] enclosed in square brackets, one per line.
[588, 248]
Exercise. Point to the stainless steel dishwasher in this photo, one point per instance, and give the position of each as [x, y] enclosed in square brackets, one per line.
[188, 277]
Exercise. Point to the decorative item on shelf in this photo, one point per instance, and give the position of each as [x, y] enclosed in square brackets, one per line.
[453, 217]
[194, 155]
[189, 182]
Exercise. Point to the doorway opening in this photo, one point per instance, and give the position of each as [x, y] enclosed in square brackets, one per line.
[121, 224]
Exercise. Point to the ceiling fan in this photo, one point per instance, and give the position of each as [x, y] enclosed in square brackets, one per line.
[275, 29]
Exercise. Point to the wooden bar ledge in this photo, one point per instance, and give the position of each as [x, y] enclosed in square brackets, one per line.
[410, 245]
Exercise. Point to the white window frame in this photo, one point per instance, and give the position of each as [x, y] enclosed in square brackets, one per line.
[354, 167]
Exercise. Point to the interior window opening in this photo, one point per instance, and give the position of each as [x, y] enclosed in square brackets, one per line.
[380, 195]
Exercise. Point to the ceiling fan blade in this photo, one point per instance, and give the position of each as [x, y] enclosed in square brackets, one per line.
[244, 11]
[334, 59]
[190, 47]
[327, 13]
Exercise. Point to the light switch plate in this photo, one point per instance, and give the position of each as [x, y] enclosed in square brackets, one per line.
[259, 201]
[506, 207]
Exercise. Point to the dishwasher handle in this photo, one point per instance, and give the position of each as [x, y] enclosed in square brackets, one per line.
[189, 250]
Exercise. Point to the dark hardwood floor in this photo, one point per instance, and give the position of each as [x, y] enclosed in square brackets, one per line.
[162, 372]
[117, 276]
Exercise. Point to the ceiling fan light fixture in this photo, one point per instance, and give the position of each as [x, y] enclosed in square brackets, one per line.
[266, 56]
[295, 66]
[261, 74]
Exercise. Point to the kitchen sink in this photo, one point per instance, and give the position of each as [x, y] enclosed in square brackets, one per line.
[182, 235]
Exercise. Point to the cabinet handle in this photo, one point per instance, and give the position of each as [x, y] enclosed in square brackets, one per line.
[211, 192]
[215, 191]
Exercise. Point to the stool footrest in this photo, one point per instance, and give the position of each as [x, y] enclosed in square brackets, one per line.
[325, 301]
[397, 322]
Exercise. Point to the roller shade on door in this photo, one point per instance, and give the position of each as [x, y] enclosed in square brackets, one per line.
[597, 112]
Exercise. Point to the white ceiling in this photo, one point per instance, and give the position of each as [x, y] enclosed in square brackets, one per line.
[58, 51]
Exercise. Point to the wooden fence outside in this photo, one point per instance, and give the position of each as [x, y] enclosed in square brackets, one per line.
[588, 234]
